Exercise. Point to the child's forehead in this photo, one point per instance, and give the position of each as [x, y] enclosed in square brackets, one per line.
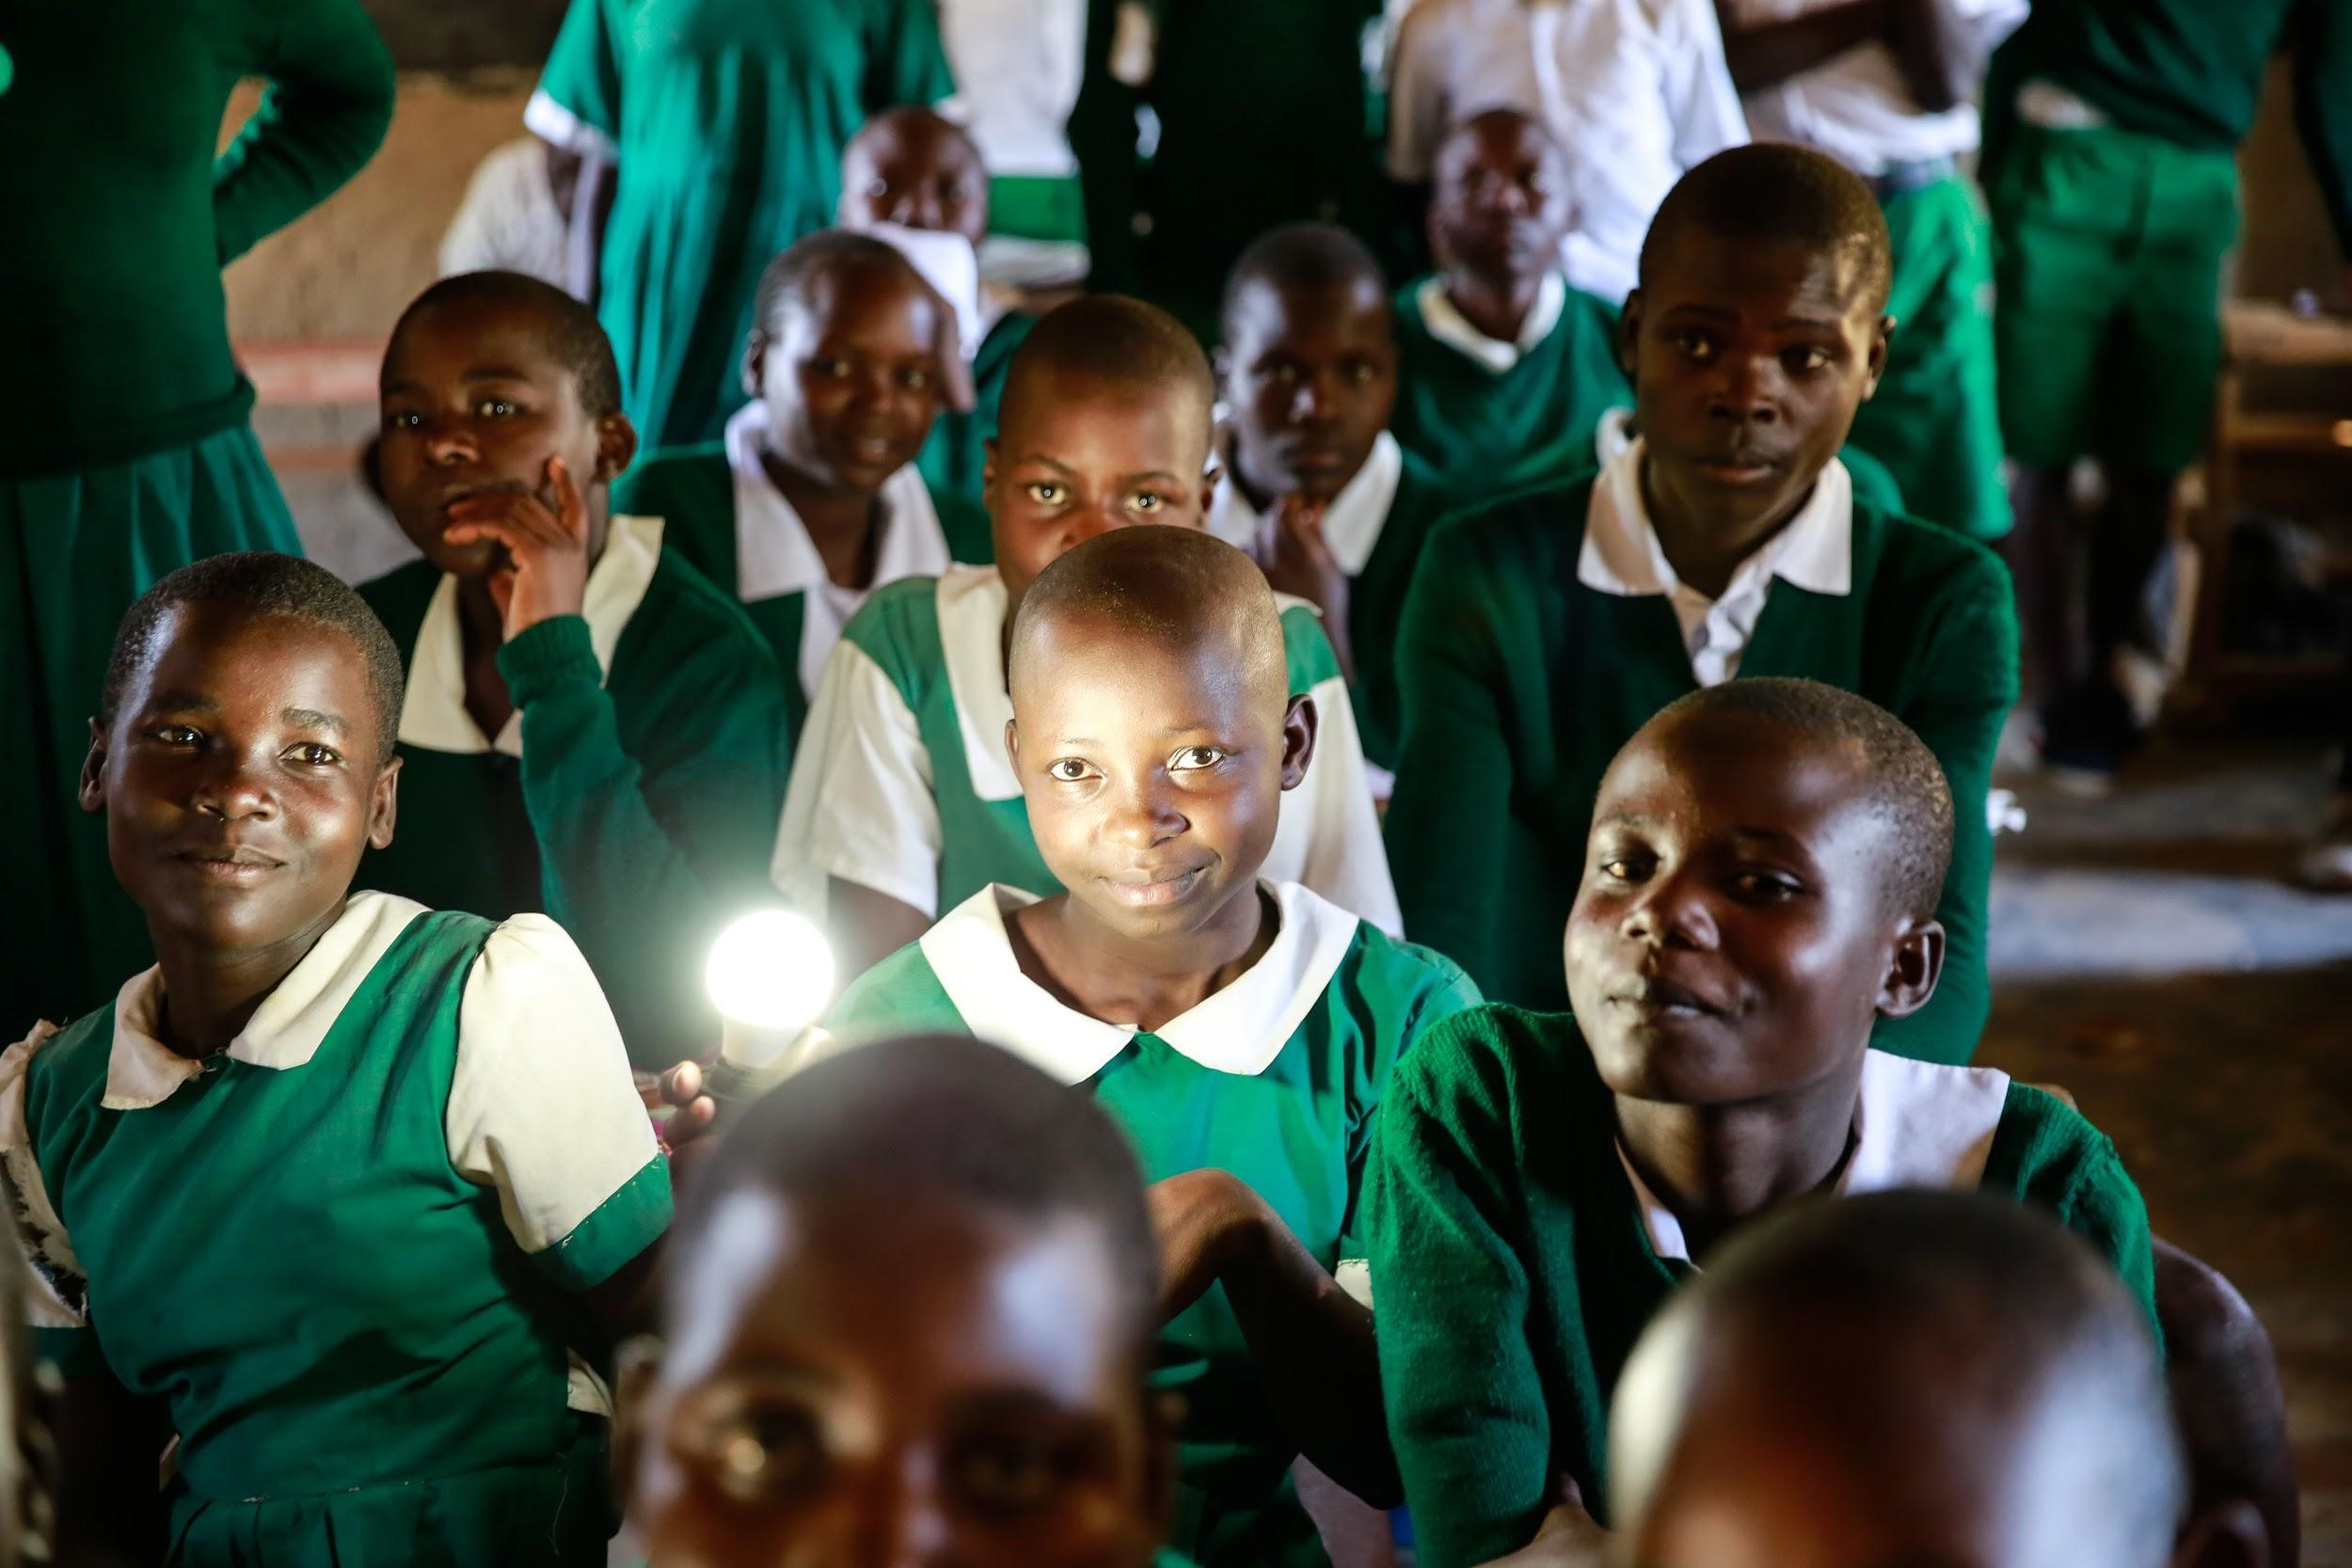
[873, 297]
[474, 339]
[1272, 309]
[1070, 416]
[214, 654]
[1702, 267]
[1720, 774]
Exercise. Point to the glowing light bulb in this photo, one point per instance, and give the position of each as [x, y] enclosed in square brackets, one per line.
[770, 974]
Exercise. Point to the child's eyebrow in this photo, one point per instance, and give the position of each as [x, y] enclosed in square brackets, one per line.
[312, 719]
[184, 701]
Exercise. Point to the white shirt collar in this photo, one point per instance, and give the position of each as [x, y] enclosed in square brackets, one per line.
[285, 1030]
[1916, 1124]
[1239, 1030]
[1621, 555]
[1351, 524]
[1450, 328]
[434, 716]
[774, 554]
[971, 604]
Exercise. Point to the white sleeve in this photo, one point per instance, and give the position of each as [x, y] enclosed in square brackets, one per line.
[861, 805]
[1417, 95]
[56, 1291]
[1331, 811]
[476, 241]
[1700, 98]
[541, 1107]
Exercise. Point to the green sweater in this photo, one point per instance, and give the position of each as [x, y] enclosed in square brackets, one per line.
[643, 810]
[1521, 685]
[1375, 606]
[1484, 433]
[1514, 1272]
[120, 218]
[2190, 71]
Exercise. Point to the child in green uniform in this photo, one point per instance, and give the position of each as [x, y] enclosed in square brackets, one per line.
[1240, 1028]
[1314, 486]
[903, 803]
[1011, 1365]
[125, 447]
[1504, 366]
[911, 172]
[1907, 1377]
[1759, 889]
[344, 1192]
[724, 121]
[1542, 631]
[813, 501]
[591, 728]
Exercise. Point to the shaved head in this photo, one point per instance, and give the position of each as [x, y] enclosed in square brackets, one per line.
[1902, 1377]
[1108, 345]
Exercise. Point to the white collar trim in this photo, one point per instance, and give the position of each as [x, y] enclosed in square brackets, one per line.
[1621, 554]
[285, 1030]
[1239, 1030]
[433, 714]
[1351, 524]
[1450, 328]
[1916, 1124]
[774, 553]
[971, 605]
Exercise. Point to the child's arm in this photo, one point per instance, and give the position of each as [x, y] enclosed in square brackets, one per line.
[324, 114]
[906, 62]
[1343, 858]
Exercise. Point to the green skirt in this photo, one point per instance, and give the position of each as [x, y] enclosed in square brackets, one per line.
[75, 549]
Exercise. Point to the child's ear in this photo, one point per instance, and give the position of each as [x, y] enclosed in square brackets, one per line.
[754, 362]
[1013, 744]
[383, 805]
[617, 447]
[1630, 335]
[1210, 474]
[92, 792]
[1298, 740]
[1879, 341]
[1912, 969]
[2227, 1534]
[636, 1362]
[988, 465]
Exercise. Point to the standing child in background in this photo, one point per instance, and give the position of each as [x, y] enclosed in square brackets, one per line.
[591, 728]
[1313, 484]
[1505, 366]
[813, 499]
[1758, 890]
[516, 214]
[1635, 89]
[915, 180]
[1543, 631]
[1239, 1027]
[1889, 92]
[347, 1194]
[903, 803]
[722, 122]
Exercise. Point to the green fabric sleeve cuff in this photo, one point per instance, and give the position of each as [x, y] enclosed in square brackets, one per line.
[72, 1351]
[546, 658]
[623, 1226]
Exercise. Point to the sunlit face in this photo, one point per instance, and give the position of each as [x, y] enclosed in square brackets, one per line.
[1311, 378]
[1500, 207]
[869, 1380]
[916, 171]
[1154, 774]
[1748, 362]
[241, 780]
[851, 377]
[1073, 459]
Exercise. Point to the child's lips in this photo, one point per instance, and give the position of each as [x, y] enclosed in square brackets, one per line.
[1662, 998]
[1144, 889]
[237, 865]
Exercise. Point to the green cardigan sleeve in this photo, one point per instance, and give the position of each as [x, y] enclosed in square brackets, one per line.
[909, 61]
[643, 890]
[321, 119]
[1451, 1307]
[2049, 1155]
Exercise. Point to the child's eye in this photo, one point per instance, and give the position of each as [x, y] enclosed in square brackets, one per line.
[1045, 493]
[1193, 758]
[1804, 361]
[1148, 500]
[312, 754]
[1361, 373]
[1007, 1477]
[762, 1453]
[1763, 886]
[1694, 346]
[1625, 868]
[404, 421]
[914, 381]
[1069, 771]
[175, 735]
[496, 408]
[837, 370]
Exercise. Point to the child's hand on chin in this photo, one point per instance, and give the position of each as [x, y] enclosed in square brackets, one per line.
[546, 541]
[1567, 1539]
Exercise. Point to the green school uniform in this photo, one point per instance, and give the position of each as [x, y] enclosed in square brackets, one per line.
[633, 796]
[1515, 1261]
[340, 1256]
[708, 495]
[726, 118]
[902, 784]
[953, 459]
[1485, 430]
[117, 463]
[1273, 1079]
[1522, 680]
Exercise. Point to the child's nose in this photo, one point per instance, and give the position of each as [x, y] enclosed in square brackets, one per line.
[1670, 912]
[901, 1520]
[1744, 393]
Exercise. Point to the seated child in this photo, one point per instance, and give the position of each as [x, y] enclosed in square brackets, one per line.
[327, 1191]
[1761, 888]
[1542, 631]
[1314, 486]
[1504, 366]
[813, 501]
[809, 1368]
[1907, 1377]
[1232, 1023]
[916, 179]
[592, 730]
[903, 802]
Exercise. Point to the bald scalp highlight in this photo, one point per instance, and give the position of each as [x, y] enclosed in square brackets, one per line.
[1774, 191]
[1114, 346]
[1299, 256]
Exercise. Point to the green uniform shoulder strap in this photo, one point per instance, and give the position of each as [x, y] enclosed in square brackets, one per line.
[691, 489]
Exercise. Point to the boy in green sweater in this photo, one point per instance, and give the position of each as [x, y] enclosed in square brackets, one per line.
[1314, 484]
[1908, 1377]
[1240, 1028]
[903, 802]
[1012, 1366]
[1544, 631]
[813, 501]
[591, 728]
[1759, 890]
[1504, 366]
